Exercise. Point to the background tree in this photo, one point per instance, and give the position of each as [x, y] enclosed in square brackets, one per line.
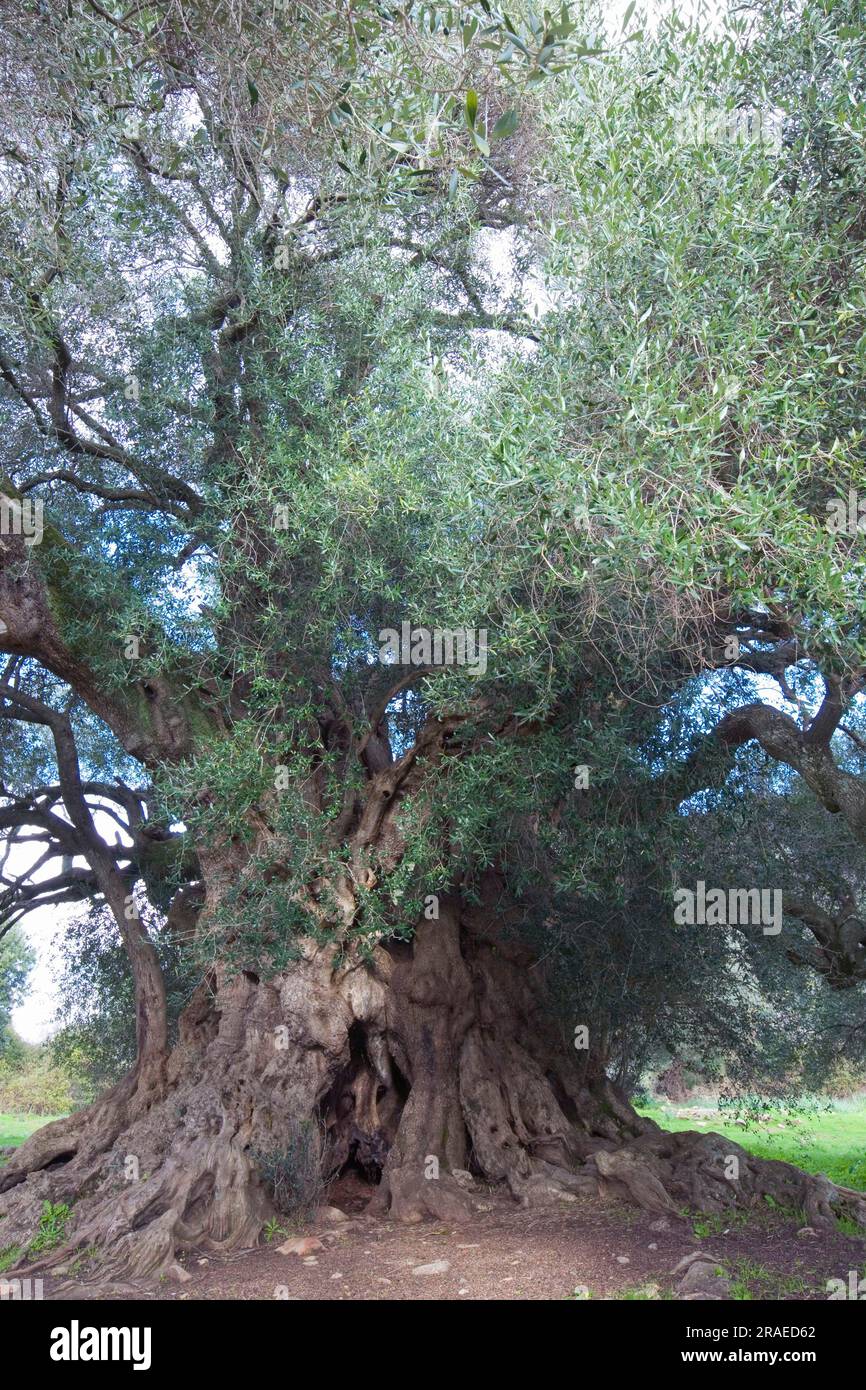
[96, 1039]
[17, 960]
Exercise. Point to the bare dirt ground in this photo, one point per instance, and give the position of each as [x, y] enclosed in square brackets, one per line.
[595, 1249]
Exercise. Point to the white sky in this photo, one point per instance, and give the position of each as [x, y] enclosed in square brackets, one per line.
[32, 1020]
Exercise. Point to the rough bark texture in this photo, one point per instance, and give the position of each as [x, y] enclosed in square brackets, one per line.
[425, 1060]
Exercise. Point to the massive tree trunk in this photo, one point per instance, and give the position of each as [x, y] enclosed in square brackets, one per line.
[423, 1060]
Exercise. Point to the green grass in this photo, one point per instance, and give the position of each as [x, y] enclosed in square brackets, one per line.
[831, 1142]
[8, 1256]
[14, 1129]
[751, 1280]
[52, 1227]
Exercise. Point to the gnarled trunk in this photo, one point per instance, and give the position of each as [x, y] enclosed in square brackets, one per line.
[424, 1060]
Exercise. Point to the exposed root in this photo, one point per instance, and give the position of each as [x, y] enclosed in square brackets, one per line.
[151, 1173]
[428, 1066]
[668, 1173]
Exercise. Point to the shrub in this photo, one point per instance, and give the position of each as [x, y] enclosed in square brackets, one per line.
[35, 1085]
[845, 1081]
[293, 1173]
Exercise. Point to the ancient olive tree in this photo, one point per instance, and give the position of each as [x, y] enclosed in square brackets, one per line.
[392, 427]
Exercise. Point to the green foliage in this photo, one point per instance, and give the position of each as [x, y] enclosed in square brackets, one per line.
[17, 959]
[711, 344]
[33, 1083]
[95, 1044]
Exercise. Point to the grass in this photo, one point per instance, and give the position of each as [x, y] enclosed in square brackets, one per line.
[716, 1224]
[8, 1256]
[830, 1142]
[751, 1280]
[14, 1129]
[51, 1232]
[52, 1227]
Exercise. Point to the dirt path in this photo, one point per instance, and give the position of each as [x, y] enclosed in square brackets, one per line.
[602, 1250]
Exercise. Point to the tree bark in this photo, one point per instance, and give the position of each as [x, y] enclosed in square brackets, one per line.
[415, 1064]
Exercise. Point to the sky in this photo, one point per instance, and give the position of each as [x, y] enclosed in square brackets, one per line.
[32, 1020]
